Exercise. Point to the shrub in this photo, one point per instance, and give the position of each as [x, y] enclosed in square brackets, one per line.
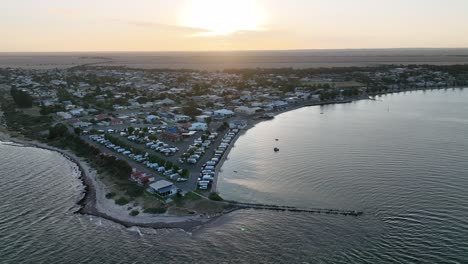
[215, 197]
[110, 195]
[159, 210]
[134, 191]
[134, 213]
[122, 201]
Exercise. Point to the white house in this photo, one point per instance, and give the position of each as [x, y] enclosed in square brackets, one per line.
[278, 104]
[247, 110]
[181, 118]
[151, 118]
[202, 118]
[77, 112]
[64, 115]
[199, 126]
[223, 113]
[163, 188]
[239, 124]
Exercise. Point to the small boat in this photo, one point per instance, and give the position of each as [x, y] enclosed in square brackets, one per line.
[276, 149]
[276, 139]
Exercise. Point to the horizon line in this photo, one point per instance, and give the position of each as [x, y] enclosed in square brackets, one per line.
[221, 51]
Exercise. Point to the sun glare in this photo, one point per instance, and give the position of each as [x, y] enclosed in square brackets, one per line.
[223, 17]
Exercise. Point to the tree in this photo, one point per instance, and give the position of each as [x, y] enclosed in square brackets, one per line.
[78, 131]
[130, 130]
[22, 99]
[142, 100]
[168, 165]
[59, 130]
[185, 173]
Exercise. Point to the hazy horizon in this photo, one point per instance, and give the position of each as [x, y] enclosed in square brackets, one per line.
[241, 51]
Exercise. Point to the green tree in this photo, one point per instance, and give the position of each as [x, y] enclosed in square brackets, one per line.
[57, 131]
[78, 131]
[22, 99]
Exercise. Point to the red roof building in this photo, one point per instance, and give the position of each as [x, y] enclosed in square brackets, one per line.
[141, 178]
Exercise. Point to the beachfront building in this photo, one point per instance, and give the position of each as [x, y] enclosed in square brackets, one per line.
[140, 177]
[278, 104]
[239, 124]
[199, 126]
[163, 188]
[247, 110]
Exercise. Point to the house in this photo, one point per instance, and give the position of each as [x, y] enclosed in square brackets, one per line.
[166, 101]
[247, 110]
[202, 118]
[199, 126]
[181, 118]
[223, 113]
[239, 124]
[100, 117]
[172, 137]
[116, 121]
[77, 112]
[64, 115]
[81, 124]
[278, 104]
[151, 118]
[163, 188]
[140, 177]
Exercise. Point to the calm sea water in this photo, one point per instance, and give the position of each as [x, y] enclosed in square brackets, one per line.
[402, 160]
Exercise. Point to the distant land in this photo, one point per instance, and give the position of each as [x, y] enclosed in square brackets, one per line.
[237, 59]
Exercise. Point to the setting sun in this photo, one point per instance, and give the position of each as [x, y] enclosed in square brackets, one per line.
[223, 17]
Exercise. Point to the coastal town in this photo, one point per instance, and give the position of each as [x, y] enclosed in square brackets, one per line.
[174, 128]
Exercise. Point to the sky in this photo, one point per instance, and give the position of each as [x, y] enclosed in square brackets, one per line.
[206, 25]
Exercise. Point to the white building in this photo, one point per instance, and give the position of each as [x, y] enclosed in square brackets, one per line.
[199, 126]
[223, 113]
[247, 110]
[163, 188]
[64, 115]
[202, 118]
[181, 118]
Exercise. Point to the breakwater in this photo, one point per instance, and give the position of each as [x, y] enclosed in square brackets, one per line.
[294, 209]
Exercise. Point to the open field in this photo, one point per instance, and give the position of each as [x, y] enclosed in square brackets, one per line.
[238, 59]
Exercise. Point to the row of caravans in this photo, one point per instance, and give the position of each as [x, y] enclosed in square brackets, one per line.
[207, 173]
[173, 175]
[198, 148]
[157, 145]
[118, 149]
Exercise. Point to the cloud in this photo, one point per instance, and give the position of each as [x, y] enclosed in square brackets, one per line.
[161, 26]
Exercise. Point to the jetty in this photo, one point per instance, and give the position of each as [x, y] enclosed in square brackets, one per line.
[294, 209]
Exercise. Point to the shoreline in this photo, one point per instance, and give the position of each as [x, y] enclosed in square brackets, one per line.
[94, 203]
[253, 120]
